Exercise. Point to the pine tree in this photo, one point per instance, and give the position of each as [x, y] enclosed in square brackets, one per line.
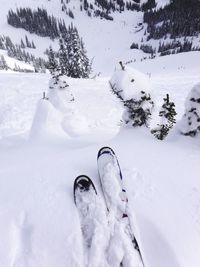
[167, 114]
[22, 44]
[191, 118]
[73, 59]
[28, 44]
[33, 45]
[79, 66]
[63, 57]
[52, 64]
[3, 64]
[138, 108]
[138, 112]
[2, 46]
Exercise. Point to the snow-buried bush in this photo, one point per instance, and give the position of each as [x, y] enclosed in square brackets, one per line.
[191, 118]
[133, 89]
[61, 97]
[60, 94]
[57, 114]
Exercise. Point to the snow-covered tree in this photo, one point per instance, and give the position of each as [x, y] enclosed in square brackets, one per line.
[28, 43]
[132, 88]
[52, 64]
[3, 64]
[63, 57]
[73, 58]
[138, 111]
[33, 45]
[22, 44]
[2, 41]
[191, 118]
[167, 114]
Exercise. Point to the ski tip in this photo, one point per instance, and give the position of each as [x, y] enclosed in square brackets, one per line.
[83, 183]
[105, 150]
[110, 151]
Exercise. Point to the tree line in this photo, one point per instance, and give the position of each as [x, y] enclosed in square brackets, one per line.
[177, 19]
[18, 52]
[102, 8]
[37, 21]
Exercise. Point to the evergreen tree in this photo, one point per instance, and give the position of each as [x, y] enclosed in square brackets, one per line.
[33, 45]
[191, 118]
[138, 112]
[138, 108]
[3, 64]
[2, 46]
[52, 64]
[28, 44]
[22, 44]
[73, 60]
[167, 114]
[63, 56]
[134, 46]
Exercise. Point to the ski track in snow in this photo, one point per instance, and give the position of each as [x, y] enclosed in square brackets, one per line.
[21, 242]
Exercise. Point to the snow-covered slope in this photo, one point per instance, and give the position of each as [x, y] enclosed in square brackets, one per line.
[107, 42]
[39, 223]
[12, 63]
[112, 39]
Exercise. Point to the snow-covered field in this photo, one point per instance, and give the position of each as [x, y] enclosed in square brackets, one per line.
[39, 223]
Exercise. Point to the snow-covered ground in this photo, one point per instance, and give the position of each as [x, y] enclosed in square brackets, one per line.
[39, 223]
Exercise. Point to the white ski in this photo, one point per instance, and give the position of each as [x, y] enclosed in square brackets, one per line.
[117, 205]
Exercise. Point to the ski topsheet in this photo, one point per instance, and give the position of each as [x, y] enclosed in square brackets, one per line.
[117, 203]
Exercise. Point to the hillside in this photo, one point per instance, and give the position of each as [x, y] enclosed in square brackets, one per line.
[116, 36]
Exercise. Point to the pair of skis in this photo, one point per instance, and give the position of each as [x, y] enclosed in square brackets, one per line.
[120, 237]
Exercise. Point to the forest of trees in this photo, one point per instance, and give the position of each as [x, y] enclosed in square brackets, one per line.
[167, 47]
[70, 60]
[102, 8]
[18, 52]
[178, 19]
[38, 22]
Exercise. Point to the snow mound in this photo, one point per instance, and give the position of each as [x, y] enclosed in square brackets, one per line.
[59, 94]
[46, 122]
[75, 124]
[133, 89]
[61, 97]
[130, 82]
[64, 112]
